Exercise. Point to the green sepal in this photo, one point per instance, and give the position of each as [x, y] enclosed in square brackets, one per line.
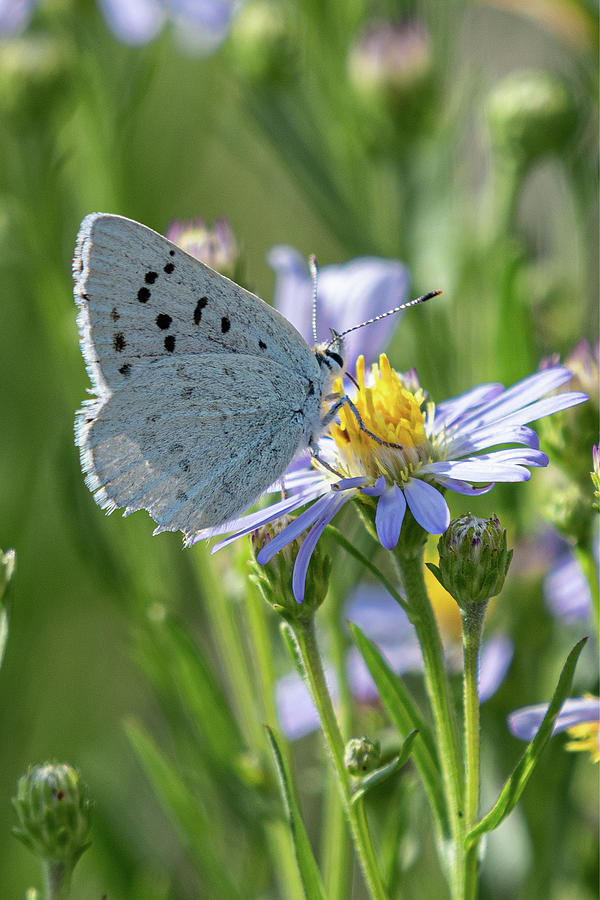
[307, 866]
[515, 784]
[373, 778]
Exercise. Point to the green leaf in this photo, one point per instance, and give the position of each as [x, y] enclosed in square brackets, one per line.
[515, 784]
[373, 778]
[182, 808]
[406, 717]
[307, 866]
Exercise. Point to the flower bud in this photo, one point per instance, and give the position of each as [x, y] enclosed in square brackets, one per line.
[570, 509]
[530, 115]
[362, 755]
[274, 579]
[260, 43]
[567, 437]
[216, 246]
[390, 69]
[473, 559]
[54, 811]
[389, 60]
[32, 72]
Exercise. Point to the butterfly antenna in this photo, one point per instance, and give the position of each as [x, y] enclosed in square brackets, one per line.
[392, 312]
[314, 271]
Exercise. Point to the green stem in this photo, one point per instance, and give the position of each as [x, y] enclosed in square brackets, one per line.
[306, 642]
[58, 880]
[438, 691]
[472, 621]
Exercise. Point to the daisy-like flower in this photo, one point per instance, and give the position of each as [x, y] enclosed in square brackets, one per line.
[448, 447]
[579, 716]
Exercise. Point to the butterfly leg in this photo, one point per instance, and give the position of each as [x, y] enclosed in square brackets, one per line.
[314, 452]
[346, 401]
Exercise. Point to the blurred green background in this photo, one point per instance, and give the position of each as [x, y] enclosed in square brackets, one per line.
[494, 202]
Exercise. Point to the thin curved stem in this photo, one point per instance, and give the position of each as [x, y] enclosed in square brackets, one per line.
[306, 643]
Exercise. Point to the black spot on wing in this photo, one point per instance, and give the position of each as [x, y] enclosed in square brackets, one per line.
[114, 314]
[225, 324]
[200, 305]
[262, 345]
[170, 342]
[163, 321]
[150, 277]
[168, 268]
[171, 253]
[125, 370]
[143, 295]
[119, 342]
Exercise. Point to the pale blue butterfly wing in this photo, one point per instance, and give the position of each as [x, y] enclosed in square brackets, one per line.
[204, 392]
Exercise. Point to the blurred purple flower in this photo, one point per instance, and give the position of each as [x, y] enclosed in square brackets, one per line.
[14, 16]
[580, 716]
[566, 590]
[348, 294]
[200, 25]
[386, 624]
[134, 21]
[496, 657]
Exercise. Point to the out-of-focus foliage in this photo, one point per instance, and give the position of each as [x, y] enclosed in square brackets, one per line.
[401, 130]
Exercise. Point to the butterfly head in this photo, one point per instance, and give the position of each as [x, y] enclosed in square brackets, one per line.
[330, 356]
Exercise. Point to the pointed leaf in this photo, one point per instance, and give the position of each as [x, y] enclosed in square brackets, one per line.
[307, 866]
[406, 718]
[379, 775]
[182, 808]
[515, 784]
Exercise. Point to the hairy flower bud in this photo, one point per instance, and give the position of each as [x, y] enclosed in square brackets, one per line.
[530, 115]
[53, 809]
[362, 755]
[216, 246]
[473, 559]
[274, 579]
[260, 43]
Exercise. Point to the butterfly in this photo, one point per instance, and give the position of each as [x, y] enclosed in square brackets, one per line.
[204, 393]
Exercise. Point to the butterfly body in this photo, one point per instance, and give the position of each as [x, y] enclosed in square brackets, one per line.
[204, 393]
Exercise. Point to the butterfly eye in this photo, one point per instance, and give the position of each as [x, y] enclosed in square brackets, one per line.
[335, 357]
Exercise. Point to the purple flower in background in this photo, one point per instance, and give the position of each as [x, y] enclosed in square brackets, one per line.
[566, 589]
[200, 25]
[440, 448]
[386, 624]
[580, 716]
[348, 294]
[14, 16]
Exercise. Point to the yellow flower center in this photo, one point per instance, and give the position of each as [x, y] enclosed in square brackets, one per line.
[392, 412]
[585, 737]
